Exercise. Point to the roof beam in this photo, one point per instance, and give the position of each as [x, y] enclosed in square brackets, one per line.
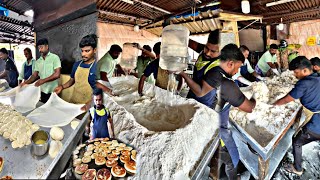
[15, 21]
[292, 13]
[12, 9]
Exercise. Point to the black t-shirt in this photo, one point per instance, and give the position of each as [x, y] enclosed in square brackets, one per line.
[10, 66]
[229, 91]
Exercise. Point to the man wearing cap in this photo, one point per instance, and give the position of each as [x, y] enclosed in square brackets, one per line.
[47, 68]
[268, 62]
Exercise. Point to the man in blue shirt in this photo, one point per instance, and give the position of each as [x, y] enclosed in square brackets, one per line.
[10, 72]
[83, 75]
[307, 90]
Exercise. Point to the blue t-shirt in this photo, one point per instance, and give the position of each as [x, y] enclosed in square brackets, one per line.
[152, 68]
[92, 73]
[307, 90]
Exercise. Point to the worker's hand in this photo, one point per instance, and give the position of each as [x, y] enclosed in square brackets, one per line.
[58, 89]
[261, 78]
[110, 92]
[85, 107]
[39, 82]
[137, 45]
[22, 84]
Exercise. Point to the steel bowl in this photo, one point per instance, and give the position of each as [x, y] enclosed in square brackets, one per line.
[41, 148]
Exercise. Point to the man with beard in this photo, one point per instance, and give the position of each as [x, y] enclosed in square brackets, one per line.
[47, 68]
[28, 66]
[268, 62]
[219, 78]
[207, 59]
[315, 64]
[83, 72]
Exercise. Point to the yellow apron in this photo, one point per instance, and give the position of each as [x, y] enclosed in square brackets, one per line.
[308, 115]
[162, 78]
[82, 92]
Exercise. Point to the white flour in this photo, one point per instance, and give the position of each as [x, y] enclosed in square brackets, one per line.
[169, 140]
[273, 118]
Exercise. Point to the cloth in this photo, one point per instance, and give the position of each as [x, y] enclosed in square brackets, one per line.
[307, 90]
[304, 137]
[142, 63]
[201, 68]
[106, 64]
[46, 68]
[83, 88]
[12, 76]
[92, 73]
[25, 69]
[99, 126]
[263, 62]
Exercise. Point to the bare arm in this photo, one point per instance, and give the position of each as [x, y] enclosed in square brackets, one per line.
[141, 84]
[272, 65]
[32, 78]
[103, 88]
[148, 53]
[68, 84]
[104, 76]
[248, 105]
[111, 128]
[196, 88]
[4, 74]
[284, 100]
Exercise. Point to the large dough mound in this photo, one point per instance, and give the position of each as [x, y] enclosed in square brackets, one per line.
[55, 147]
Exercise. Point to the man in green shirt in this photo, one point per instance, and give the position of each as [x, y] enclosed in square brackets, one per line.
[47, 68]
[108, 64]
[268, 62]
[28, 66]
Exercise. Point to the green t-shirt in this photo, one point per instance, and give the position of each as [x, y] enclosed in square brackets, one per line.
[45, 69]
[263, 61]
[106, 64]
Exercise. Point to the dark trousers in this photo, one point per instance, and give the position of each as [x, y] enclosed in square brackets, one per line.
[44, 97]
[303, 137]
[225, 158]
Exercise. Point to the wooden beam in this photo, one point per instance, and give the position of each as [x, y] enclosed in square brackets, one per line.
[293, 13]
[234, 25]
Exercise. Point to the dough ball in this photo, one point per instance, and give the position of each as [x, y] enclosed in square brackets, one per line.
[56, 133]
[74, 124]
[55, 147]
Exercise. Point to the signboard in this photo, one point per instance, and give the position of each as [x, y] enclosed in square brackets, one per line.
[311, 41]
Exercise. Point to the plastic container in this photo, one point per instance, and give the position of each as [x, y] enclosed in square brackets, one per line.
[129, 56]
[174, 48]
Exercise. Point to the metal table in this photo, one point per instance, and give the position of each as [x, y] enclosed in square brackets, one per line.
[21, 164]
[263, 161]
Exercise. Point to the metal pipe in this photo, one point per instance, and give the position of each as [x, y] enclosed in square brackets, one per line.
[249, 25]
[152, 6]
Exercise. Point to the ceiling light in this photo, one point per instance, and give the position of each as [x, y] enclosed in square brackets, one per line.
[245, 6]
[278, 2]
[281, 26]
[29, 13]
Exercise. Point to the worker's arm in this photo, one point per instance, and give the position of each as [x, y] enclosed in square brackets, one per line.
[196, 88]
[272, 65]
[64, 86]
[88, 127]
[3, 74]
[258, 76]
[120, 70]
[32, 78]
[111, 128]
[104, 76]
[54, 76]
[247, 105]
[141, 84]
[244, 81]
[284, 100]
[21, 74]
[104, 88]
[193, 45]
[180, 83]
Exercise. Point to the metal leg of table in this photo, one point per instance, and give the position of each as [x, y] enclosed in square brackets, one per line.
[263, 168]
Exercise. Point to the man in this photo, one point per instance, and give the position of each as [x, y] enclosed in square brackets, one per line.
[83, 75]
[246, 75]
[47, 68]
[142, 62]
[160, 75]
[209, 54]
[108, 64]
[101, 125]
[219, 78]
[268, 62]
[28, 66]
[10, 73]
[307, 90]
[315, 64]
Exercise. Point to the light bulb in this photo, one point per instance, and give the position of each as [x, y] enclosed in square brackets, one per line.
[280, 26]
[136, 28]
[29, 13]
[245, 6]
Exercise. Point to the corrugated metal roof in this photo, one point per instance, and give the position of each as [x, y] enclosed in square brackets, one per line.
[18, 6]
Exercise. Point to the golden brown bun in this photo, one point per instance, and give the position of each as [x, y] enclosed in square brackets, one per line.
[130, 166]
[90, 174]
[1, 163]
[82, 168]
[118, 171]
[111, 163]
[103, 174]
[100, 160]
